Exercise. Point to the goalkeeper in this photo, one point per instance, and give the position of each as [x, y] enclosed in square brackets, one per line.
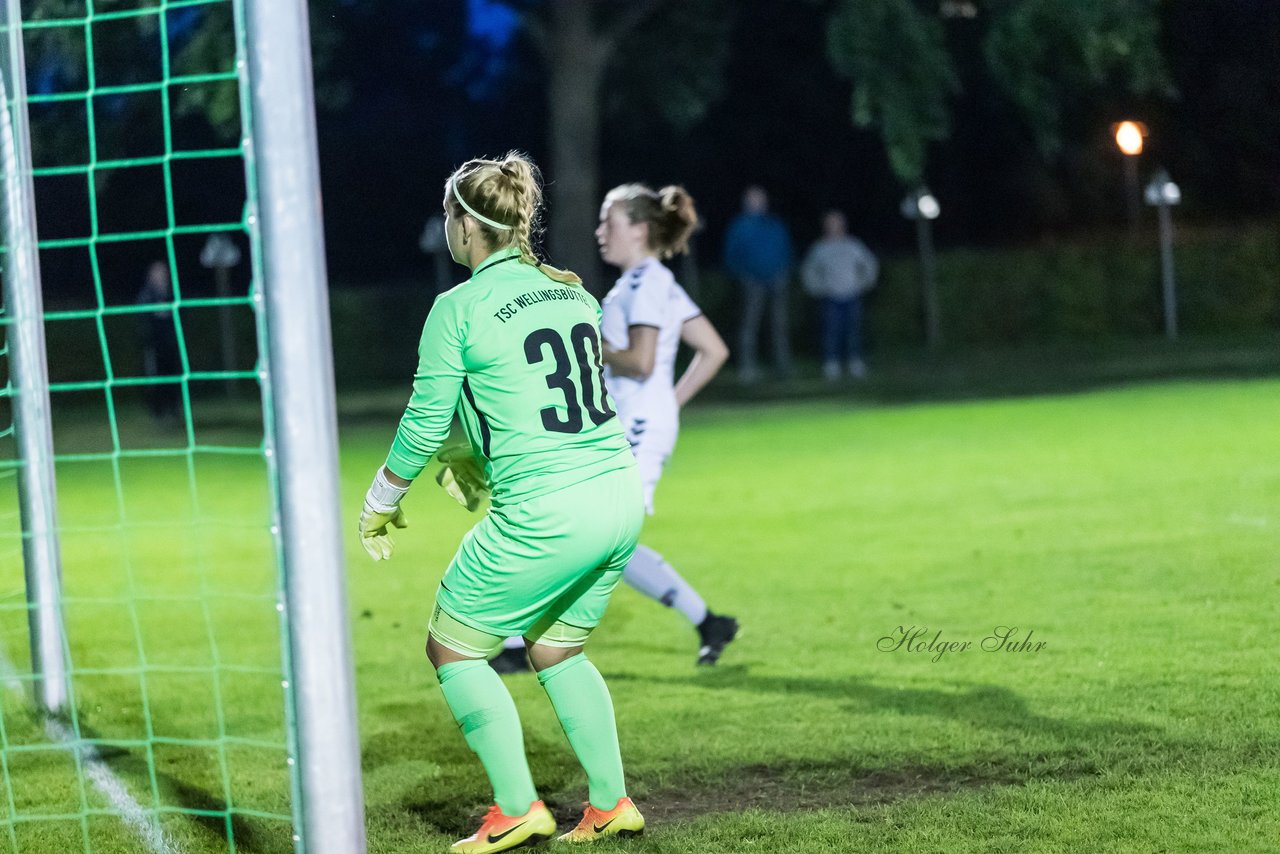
[515, 351]
[646, 317]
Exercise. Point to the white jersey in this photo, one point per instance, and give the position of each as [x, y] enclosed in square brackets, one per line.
[646, 295]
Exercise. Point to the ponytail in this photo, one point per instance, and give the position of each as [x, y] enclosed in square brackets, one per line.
[669, 213]
[508, 192]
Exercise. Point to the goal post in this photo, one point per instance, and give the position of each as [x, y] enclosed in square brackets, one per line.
[124, 647]
[29, 375]
[281, 158]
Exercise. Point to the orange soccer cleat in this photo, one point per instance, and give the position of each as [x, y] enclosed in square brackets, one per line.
[623, 820]
[499, 832]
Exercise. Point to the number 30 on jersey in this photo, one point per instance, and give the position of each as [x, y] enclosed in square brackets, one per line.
[584, 339]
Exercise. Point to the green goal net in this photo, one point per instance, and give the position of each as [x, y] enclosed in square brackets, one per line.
[178, 733]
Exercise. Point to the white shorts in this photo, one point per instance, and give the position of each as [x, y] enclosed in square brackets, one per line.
[652, 441]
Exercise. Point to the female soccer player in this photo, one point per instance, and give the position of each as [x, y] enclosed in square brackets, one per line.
[515, 351]
[646, 316]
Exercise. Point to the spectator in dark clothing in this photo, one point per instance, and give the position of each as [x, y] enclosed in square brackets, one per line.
[160, 345]
[757, 252]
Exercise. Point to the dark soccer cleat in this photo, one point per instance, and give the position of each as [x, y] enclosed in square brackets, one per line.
[514, 660]
[623, 820]
[500, 832]
[715, 632]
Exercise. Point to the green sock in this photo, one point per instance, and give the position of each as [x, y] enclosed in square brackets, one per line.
[582, 703]
[487, 716]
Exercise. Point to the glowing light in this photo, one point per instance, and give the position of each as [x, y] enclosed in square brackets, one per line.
[1129, 137]
[921, 205]
[1162, 190]
[928, 206]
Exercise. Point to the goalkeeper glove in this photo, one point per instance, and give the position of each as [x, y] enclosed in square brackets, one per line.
[381, 512]
[462, 475]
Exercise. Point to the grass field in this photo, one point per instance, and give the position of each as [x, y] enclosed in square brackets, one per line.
[1134, 530]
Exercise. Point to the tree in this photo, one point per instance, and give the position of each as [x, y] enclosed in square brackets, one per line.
[896, 56]
[1046, 56]
[670, 62]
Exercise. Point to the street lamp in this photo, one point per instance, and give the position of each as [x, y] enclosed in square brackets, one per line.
[921, 207]
[1129, 138]
[1163, 194]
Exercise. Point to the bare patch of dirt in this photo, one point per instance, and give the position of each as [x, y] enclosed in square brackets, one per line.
[795, 787]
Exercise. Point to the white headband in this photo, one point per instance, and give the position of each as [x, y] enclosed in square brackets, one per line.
[453, 185]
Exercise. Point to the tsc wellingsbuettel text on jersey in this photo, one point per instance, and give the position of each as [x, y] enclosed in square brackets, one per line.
[525, 300]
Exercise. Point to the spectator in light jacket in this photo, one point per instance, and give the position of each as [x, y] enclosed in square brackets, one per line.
[838, 270]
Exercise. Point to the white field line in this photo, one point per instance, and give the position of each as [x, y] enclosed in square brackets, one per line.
[107, 783]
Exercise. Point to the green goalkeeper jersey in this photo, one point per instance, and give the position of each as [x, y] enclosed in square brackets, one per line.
[518, 357]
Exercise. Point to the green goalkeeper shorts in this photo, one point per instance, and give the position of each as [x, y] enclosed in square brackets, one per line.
[546, 563]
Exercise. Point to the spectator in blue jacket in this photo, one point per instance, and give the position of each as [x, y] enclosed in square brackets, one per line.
[757, 252]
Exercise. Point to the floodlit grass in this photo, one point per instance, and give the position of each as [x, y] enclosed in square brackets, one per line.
[1133, 531]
